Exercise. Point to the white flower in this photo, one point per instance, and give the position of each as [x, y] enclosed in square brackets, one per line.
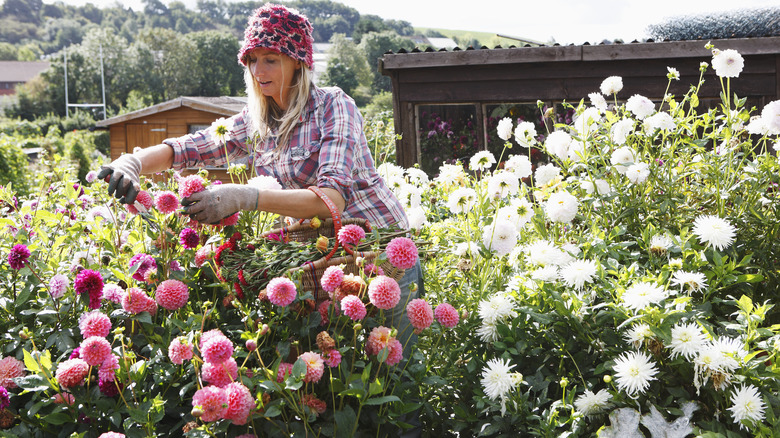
[525, 134]
[504, 128]
[695, 281]
[220, 129]
[410, 196]
[673, 73]
[464, 249]
[659, 121]
[450, 174]
[601, 186]
[500, 237]
[99, 211]
[747, 405]
[557, 143]
[417, 218]
[621, 130]
[561, 207]
[622, 158]
[598, 101]
[482, 160]
[543, 253]
[637, 173]
[687, 340]
[579, 272]
[514, 259]
[584, 121]
[577, 150]
[488, 332]
[660, 244]
[758, 126]
[771, 116]
[634, 372]
[714, 231]
[732, 351]
[503, 184]
[640, 106]
[388, 171]
[519, 164]
[612, 85]
[498, 308]
[589, 403]
[727, 63]
[525, 210]
[547, 273]
[462, 200]
[638, 334]
[265, 182]
[497, 379]
[416, 176]
[509, 214]
[640, 295]
[545, 174]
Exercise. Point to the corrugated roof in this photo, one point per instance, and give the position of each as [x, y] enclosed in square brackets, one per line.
[224, 106]
[21, 71]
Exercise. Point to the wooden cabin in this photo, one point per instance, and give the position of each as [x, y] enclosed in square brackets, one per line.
[447, 103]
[174, 118]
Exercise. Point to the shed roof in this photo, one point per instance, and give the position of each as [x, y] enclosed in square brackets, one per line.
[21, 71]
[225, 106]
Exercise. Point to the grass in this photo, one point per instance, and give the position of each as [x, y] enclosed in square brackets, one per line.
[488, 39]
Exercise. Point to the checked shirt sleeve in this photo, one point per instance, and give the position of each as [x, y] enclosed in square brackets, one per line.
[341, 134]
[202, 148]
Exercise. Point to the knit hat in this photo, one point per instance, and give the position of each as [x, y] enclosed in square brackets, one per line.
[280, 29]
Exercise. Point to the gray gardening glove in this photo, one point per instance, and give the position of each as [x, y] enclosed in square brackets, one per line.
[219, 202]
[124, 183]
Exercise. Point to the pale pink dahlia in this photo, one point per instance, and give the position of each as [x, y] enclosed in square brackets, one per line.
[384, 292]
[332, 358]
[112, 435]
[166, 202]
[204, 254]
[64, 398]
[180, 350]
[420, 313]
[94, 324]
[372, 269]
[71, 372]
[281, 291]
[314, 366]
[172, 294]
[94, 350]
[353, 307]
[240, 403]
[216, 349]
[143, 198]
[351, 234]
[58, 285]
[446, 315]
[112, 292]
[107, 370]
[10, 368]
[220, 374]
[331, 278]
[213, 401]
[230, 220]
[377, 340]
[395, 352]
[136, 301]
[402, 253]
[191, 184]
[285, 369]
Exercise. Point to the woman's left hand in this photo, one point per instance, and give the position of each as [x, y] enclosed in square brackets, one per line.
[218, 202]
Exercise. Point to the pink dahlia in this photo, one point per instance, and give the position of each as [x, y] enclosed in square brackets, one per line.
[107, 370]
[353, 307]
[10, 369]
[191, 184]
[402, 253]
[94, 324]
[384, 292]
[64, 398]
[180, 350]
[142, 263]
[58, 285]
[189, 238]
[281, 291]
[220, 374]
[213, 401]
[324, 309]
[351, 234]
[166, 202]
[420, 314]
[113, 293]
[395, 352]
[18, 256]
[71, 372]
[377, 340]
[230, 220]
[135, 301]
[285, 370]
[88, 282]
[446, 315]
[240, 403]
[144, 198]
[372, 269]
[112, 435]
[316, 405]
[332, 358]
[314, 366]
[172, 294]
[94, 350]
[331, 278]
[204, 254]
[216, 349]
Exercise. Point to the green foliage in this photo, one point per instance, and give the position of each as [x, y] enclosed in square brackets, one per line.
[8, 52]
[374, 45]
[218, 72]
[13, 164]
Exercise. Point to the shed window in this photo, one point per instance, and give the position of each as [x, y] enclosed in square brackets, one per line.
[446, 134]
[518, 113]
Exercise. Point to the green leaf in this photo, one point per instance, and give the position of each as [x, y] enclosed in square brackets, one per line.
[382, 400]
[273, 411]
[30, 362]
[375, 387]
[57, 418]
[750, 278]
[139, 415]
[745, 303]
[299, 369]
[358, 393]
[34, 383]
[345, 420]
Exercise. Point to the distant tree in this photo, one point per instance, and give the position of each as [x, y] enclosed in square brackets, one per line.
[173, 63]
[217, 68]
[8, 52]
[330, 26]
[374, 45]
[155, 7]
[401, 27]
[433, 33]
[26, 11]
[340, 75]
[347, 67]
[742, 23]
[62, 32]
[14, 31]
[216, 10]
[92, 13]
[29, 52]
[52, 10]
[368, 24]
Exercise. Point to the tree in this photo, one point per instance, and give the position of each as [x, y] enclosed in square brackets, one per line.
[218, 71]
[347, 67]
[174, 64]
[401, 27]
[29, 52]
[374, 45]
[368, 24]
[8, 52]
[26, 11]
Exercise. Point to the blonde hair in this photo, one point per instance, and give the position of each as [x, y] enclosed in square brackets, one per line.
[265, 114]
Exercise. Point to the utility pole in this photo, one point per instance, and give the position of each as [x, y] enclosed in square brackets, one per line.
[102, 85]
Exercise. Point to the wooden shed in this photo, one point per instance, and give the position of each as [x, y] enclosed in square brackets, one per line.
[174, 118]
[447, 103]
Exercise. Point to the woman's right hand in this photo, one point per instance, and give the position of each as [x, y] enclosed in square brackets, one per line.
[125, 182]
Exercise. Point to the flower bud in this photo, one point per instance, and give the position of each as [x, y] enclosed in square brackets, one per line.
[197, 412]
[315, 223]
[607, 379]
[413, 287]
[564, 382]
[394, 332]
[264, 330]
[322, 244]
[23, 334]
[251, 345]
[358, 327]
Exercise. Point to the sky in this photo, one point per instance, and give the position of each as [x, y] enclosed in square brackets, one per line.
[564, 21]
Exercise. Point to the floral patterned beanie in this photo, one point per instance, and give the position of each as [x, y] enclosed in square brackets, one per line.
[280, 29]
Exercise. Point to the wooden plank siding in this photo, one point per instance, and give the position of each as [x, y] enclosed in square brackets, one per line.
[565, 73]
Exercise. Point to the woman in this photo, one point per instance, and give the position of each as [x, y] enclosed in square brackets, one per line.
[290, 129]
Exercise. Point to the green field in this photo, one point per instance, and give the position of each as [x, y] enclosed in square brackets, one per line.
[485, 38]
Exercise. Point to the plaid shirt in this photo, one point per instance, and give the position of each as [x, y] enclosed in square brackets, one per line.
[327, 149]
